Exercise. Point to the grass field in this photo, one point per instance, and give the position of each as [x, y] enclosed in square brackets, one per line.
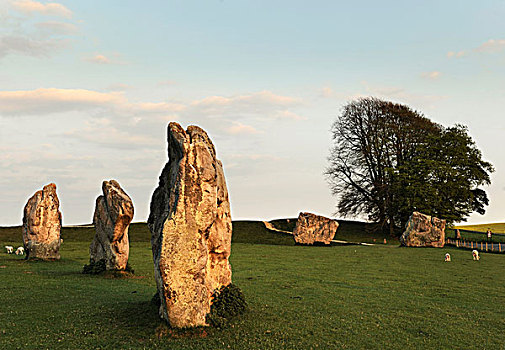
[496, 228]
[339, 297]
[468, 235]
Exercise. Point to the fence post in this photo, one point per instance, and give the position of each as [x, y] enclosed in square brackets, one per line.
[499, 247]
[486, 246]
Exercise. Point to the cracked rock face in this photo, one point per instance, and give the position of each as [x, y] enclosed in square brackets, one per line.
[42, 225]
[423, 231]
[311, 228]
[191, 228]
[113, 214]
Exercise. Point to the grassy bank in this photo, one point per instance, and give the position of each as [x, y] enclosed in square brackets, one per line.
[495, 228]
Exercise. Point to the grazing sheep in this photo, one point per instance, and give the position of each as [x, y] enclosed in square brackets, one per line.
[20, 251]
[447, 257]
[475, 254]
[9, 248]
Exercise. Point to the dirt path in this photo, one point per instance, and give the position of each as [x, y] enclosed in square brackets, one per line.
[271, 227]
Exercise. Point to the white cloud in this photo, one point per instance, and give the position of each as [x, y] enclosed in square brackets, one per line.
[491, 46]
[109, 135]
[242, 161]
[54, 100]
[239, 128]
[18, 44]
[166, 83]
[433, 75]
[254, 102]
[54, 27]
[327, 92]
[458, 54]
[286, 114]
[47, 101]
[35, 7]
[119, 87]
[158, 107]
[20, 36]
[11, 156]
[226, 116]
[100, 59]
[255, 156]
[394, 93]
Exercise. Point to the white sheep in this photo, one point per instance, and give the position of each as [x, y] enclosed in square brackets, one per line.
[475, 254]
[20, 251]
[447, 257]
[9, 248]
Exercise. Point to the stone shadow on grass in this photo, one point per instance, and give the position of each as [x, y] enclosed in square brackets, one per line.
[135, 319]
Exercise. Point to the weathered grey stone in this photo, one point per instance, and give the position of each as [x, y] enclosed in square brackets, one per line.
[191, 229]
[113, 214]
[423, 231]
[42, 225]
[311, 228]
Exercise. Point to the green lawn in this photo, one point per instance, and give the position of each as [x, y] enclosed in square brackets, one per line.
[496, 228]
[478, 237]
[350, 297]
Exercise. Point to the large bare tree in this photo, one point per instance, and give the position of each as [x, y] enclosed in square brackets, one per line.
[378, 164]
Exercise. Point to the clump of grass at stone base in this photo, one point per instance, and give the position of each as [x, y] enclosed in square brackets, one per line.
[227, 303]
[100, 267]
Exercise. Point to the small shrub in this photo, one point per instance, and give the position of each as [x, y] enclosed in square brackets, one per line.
[100, 267]
[227, 302]
[95, 268]
[129, 269]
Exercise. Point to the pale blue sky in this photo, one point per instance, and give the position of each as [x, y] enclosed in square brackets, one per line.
[87, 89]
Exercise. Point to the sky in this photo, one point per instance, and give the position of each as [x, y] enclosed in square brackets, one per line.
[87, 89]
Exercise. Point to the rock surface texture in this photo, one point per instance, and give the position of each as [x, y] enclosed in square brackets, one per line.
[423, 231]
[191, 228]
[311, 228]
[42, 225]
[113, 214]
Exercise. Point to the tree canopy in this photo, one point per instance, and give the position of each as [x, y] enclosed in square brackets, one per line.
[388, 160]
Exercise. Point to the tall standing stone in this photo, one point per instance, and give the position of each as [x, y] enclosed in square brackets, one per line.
[314, 229]
[423, 231]
[191, 229]
[42, 225]
[113, 214]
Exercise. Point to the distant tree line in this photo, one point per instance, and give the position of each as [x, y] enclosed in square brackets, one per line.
[388, 160]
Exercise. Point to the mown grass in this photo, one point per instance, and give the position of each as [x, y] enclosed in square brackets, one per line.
[475, 237]
[495, 228]
[338, 297]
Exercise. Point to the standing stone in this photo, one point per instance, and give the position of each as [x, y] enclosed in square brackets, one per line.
[42, 225]
[423, 231]
[191, 229]
[113, 214]
[311, 228]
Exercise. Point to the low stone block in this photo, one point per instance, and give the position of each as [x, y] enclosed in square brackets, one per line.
[312, 229]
